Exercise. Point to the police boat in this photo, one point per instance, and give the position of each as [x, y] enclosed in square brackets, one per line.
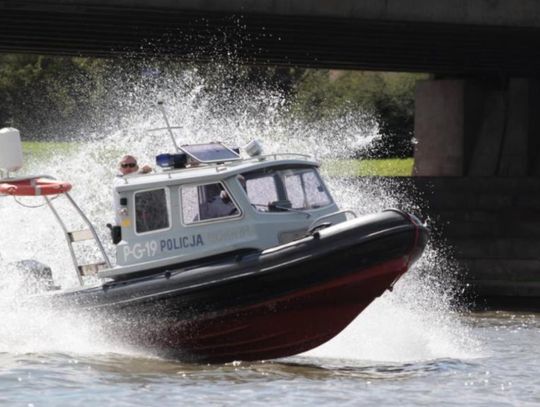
[226, 255]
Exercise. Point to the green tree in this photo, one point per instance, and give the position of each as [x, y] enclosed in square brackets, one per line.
[47, 96]
[389, 97]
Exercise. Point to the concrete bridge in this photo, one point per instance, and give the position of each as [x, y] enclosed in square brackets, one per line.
[477, 120]
[443, 36]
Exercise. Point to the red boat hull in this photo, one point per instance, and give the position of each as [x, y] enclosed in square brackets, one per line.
[283, 326]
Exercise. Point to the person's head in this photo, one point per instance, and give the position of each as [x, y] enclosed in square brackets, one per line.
[128, 165]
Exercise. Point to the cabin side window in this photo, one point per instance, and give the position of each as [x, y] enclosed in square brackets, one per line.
[151, 211]
[206, 202]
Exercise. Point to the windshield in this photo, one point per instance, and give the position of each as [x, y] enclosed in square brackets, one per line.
[294, 188]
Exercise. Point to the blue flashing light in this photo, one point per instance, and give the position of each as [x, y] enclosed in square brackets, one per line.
[171, 160]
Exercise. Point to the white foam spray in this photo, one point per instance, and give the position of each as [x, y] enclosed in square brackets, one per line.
[418, 320]
[412, 323]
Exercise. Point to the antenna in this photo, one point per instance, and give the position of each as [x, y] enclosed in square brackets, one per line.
[169, 128]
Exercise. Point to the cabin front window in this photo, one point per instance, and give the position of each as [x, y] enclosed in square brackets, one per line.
[305, 189]
[151, 211]
[206, 202]
[261, 189]
[274, 190]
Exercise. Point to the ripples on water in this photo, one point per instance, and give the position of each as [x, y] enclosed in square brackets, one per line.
[507, 373]
[408, 347]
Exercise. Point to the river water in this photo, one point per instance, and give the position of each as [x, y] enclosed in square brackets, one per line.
[502, 371]
[412, 346]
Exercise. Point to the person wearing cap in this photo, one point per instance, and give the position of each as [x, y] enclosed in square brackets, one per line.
[128, 165]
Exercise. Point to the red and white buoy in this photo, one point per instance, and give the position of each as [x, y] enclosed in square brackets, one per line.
[33, 187]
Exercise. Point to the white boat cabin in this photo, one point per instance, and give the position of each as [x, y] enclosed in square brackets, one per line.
[207, 201]
[217, 206]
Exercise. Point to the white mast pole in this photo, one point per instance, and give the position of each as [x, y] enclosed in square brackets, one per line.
[169, 128]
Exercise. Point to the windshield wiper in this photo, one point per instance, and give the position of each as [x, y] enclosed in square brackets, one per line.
[285, 205]
[280, 206]
[284, 208]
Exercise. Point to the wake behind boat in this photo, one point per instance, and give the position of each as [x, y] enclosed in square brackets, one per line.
[227, 254]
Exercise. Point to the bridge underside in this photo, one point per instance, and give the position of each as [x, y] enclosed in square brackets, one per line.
[271, 39]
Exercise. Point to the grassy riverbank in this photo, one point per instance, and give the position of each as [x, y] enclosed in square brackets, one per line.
[39, 150]
[391, 167]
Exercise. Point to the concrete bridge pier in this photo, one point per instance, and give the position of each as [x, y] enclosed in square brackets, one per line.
[477, 159]
[475, 127]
